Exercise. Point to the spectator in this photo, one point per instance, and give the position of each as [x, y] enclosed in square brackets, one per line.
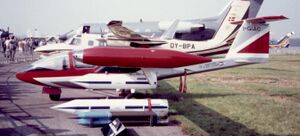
[13, 48]
[30, 46]
[3, 45]
[7, 45]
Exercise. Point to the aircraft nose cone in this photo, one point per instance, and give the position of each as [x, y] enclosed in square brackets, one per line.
[20, 76]
[23, 76]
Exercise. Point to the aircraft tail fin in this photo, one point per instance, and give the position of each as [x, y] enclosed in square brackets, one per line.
[284, 41]
[254, 8]
[236, 10]
[251, 44]
[169, 34]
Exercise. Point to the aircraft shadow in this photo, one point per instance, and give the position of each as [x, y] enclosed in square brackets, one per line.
[208, 120]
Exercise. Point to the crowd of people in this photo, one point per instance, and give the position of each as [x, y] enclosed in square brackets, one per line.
[10, 46]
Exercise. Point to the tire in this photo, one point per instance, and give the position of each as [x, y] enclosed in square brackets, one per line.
[54, 97]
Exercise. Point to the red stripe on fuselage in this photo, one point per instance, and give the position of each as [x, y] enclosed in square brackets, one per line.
[30, 75]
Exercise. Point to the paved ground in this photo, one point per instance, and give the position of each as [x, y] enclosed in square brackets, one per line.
[24, 110]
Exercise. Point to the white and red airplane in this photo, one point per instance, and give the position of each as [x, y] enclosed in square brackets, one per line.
[217, 33]
[140, 68]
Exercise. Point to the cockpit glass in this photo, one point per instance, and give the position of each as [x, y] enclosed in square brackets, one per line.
[54, 62]
[75, 41]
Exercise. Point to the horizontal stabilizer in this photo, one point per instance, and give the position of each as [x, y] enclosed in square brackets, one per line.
[260, 20]
[251, 44]
[169, 34]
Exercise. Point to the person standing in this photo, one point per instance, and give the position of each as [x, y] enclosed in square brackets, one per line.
[13, 48]
[31, 47]
[3, 45]
[7, 49]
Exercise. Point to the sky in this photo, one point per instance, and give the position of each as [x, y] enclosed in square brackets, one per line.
[53, 17]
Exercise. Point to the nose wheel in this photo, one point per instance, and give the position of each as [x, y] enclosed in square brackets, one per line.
[54, 93]
[54, 97]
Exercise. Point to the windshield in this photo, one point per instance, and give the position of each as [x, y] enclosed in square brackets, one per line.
[54, 62]
[75, 41]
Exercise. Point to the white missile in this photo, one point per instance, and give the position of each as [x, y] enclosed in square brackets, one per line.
[159, 106]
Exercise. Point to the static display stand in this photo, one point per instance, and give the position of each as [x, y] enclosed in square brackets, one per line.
[115, 128]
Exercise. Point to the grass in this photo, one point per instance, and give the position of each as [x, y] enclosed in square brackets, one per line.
[251, 100]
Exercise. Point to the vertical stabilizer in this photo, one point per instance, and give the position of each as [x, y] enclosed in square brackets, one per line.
[238, 11]
[254, 8]
[251, 44]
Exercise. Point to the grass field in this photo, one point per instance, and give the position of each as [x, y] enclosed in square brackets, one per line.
[259, 99]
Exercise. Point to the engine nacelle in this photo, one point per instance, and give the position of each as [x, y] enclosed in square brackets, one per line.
[182, 27]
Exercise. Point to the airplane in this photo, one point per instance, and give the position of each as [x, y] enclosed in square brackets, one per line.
[77, 42]
[214, 35]
[193, 29]
[283, 42]
[130, 68]
[60, 38]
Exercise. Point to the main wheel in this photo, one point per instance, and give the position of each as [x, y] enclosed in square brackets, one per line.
[54, 97]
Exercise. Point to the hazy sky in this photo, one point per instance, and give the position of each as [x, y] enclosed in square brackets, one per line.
[59, 16]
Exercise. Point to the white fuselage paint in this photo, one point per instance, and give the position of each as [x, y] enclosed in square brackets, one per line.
[114, 81]
[120, 81]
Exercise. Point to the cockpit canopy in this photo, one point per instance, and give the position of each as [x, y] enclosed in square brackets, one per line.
[56, 62]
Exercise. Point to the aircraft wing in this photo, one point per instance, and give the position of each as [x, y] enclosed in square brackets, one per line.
[124, 33]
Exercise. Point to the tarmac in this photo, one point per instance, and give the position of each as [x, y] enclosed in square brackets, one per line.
[24, 110]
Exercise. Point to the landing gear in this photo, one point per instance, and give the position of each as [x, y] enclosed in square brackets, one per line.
[183, 85]
[54, 97]
[54, 93]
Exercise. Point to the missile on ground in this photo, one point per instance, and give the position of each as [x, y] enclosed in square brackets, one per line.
[102, 111]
